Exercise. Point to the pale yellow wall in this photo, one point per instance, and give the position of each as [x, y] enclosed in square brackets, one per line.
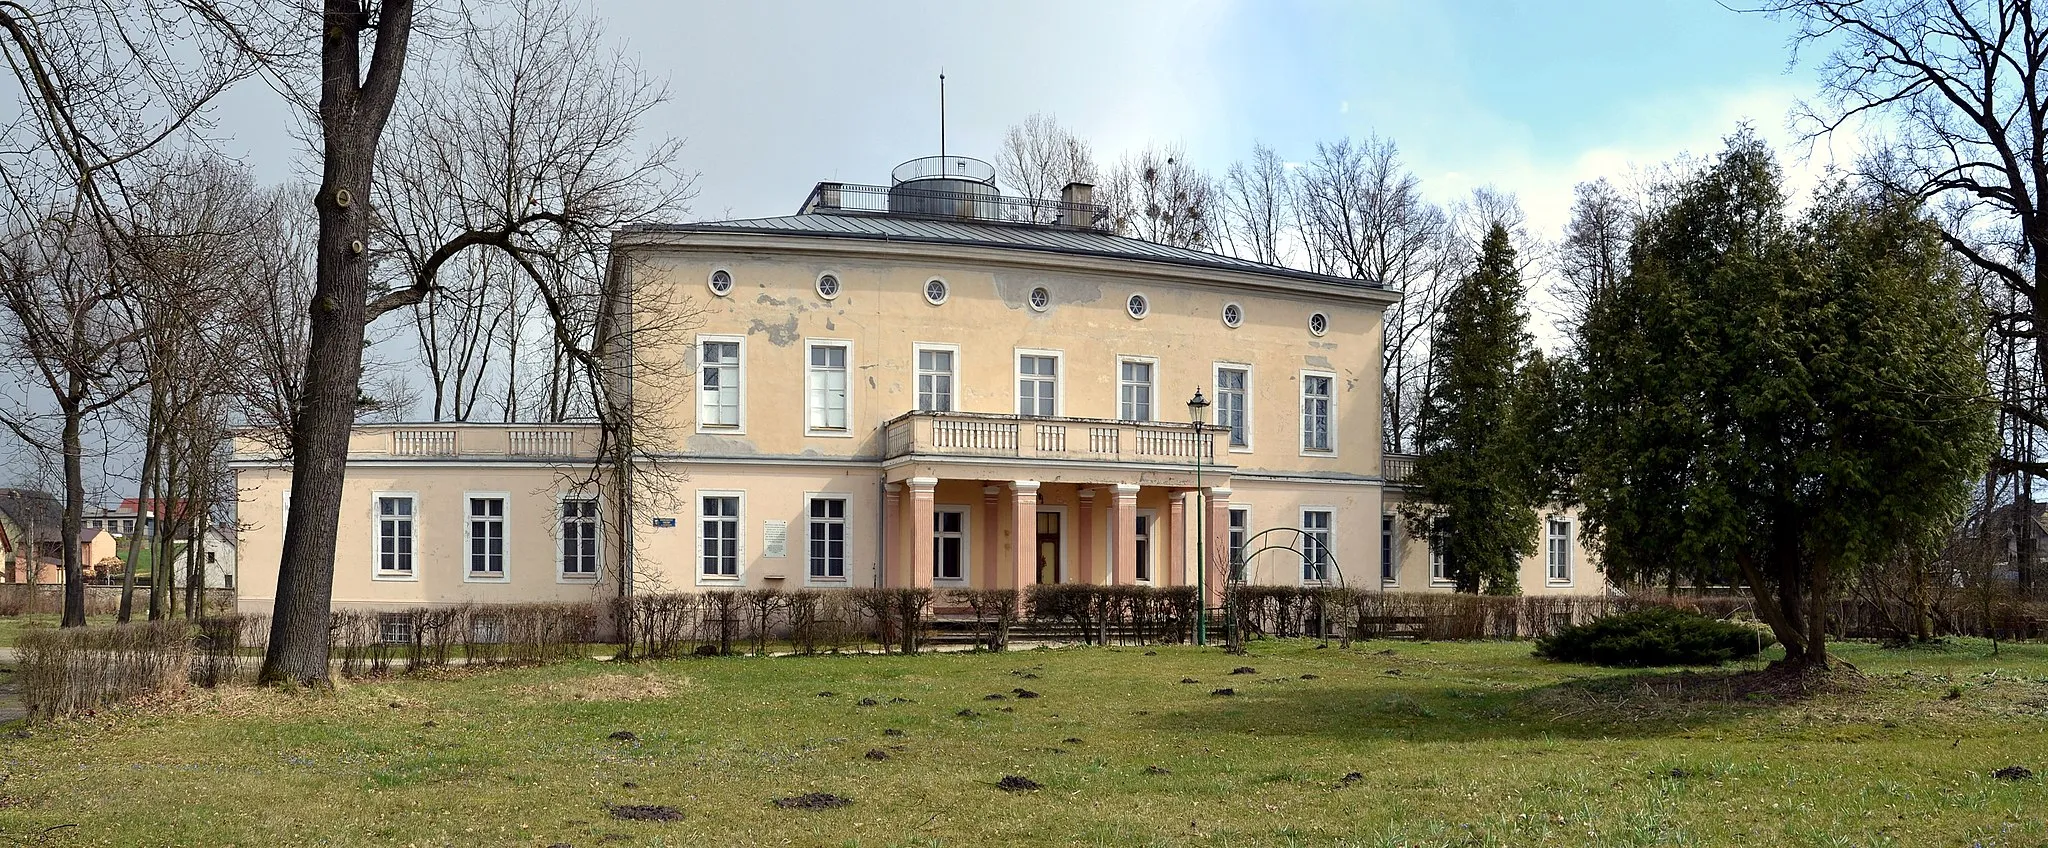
[1355, 532]
[440, 566]
[882, 313]
[1413, 555]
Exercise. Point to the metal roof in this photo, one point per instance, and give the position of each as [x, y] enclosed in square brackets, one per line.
[1035, 237]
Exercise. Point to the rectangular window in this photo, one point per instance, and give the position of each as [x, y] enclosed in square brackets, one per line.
[1240, 534]
[1387, 572]
[718, 543]
[935, 371]
[579, 536]
[826, 380]
[486, 537]
[1233, 387]
[718, 383]
[1560, 551]
[1134, 390]
[394, 628]
[1438, 571]
[828, 538]
[1038, 379]
[1315, 412]
[1315, 545]
[1143, 536]
[949, 544]
[394, 534]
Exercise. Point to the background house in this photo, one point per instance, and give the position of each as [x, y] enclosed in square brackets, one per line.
[31, 536]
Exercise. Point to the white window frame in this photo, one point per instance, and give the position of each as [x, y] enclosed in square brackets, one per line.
[818, 285]
[945, 291]
[1228, 547]
[966, 544]
[1059, 381]
[596, 522]
[1147, 560]
[845, 537]
[740, 369]
[1390, 549]
[1551, 538]
[739, 564]
[917, 372]
[1035, 307]
[1151, 387]
[1329, 545]
[1141, 298]
[1438, 576]
[732, 281]
[1225, 314]
[1216, 386]
[377, 571]
[469, 551]
[809, 388]
[1301, 412]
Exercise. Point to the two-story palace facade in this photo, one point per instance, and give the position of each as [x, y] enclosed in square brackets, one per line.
[919, 385]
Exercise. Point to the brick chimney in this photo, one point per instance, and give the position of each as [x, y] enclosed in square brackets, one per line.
[1077, 206]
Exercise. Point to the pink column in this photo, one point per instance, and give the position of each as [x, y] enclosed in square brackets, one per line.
[1218, 553]
[989, 570]
[1024, 521]
[1176, 532]
[1084, 543]
[920, 536]
[893, 567]
[1123, 529]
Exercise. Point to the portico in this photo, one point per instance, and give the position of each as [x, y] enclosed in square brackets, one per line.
[968, 504]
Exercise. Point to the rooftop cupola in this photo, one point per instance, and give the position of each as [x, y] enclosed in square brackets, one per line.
[944, 187]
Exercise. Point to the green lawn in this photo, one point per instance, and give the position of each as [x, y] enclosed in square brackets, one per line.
[1469, 744]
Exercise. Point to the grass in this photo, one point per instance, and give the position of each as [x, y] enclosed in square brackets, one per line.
[1472, 744]
[12, 625]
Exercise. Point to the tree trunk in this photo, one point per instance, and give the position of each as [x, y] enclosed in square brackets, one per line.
[74, 506]
[354, 107]
[149, 462]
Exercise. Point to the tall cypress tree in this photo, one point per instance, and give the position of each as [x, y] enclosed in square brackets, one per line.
[1475, 472]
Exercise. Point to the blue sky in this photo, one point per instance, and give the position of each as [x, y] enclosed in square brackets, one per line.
[1531, 97]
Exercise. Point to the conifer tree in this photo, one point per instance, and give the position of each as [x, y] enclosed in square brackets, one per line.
[1475, 472]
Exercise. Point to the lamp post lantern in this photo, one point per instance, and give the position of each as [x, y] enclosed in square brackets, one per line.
[1198, 412]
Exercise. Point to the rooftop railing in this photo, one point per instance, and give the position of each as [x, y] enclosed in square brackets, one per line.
[940, 204]
[968, 434]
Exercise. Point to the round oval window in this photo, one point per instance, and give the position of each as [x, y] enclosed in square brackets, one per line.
[721, 282]
[935, 291]
[828, 286]
[1138, 306]
[1233, 315]
[1040, 298]
[1318, 323]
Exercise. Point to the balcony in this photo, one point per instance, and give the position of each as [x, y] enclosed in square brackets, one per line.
[1397, 467]
[980, 436]
[427, 441]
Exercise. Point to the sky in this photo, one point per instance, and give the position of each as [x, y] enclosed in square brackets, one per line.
[773, 96]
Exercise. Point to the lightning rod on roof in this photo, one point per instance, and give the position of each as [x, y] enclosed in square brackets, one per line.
[942, 115]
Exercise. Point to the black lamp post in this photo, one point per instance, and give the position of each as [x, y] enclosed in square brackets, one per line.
[1198, 414]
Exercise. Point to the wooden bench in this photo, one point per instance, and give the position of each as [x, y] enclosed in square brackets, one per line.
[1392, 626]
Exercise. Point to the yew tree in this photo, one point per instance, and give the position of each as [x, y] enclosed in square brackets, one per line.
[1474, 470]
[1779, 405]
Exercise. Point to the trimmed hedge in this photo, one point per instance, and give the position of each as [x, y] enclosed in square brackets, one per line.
[1655, 636]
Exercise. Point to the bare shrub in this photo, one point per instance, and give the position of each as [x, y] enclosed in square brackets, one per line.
[995, 612]
[76, 670]
[721, 620]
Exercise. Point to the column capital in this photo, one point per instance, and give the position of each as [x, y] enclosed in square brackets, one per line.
[1127, 490]
[922, 485]
[1220, 492]
[1025, 486]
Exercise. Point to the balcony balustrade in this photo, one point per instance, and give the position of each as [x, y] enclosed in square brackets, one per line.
[962, 434]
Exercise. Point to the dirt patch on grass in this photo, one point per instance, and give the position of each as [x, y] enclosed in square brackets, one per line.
[1014, 783]
[646, 812]
[813, 801]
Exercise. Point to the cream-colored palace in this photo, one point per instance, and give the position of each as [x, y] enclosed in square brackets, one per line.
[926, 384]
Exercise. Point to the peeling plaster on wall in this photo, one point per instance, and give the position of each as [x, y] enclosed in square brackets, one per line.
[1015, 290]
[831, 326]
[780, 335]
[1314, 362]
[712, 443]
[871, 382]
[768, 298]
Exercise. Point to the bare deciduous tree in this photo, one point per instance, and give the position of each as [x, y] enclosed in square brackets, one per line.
[1039, 158]
[1157, 195]
[1256, 195]
[1593, 254]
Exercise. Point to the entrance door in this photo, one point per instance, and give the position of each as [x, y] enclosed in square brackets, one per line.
[1048, 547]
